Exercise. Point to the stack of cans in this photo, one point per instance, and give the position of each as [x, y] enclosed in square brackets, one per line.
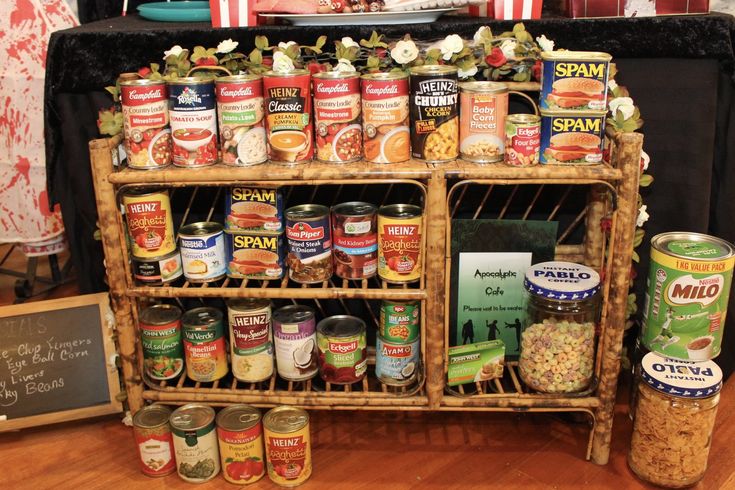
[398, 345]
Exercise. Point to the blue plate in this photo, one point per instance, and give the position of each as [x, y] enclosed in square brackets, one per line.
[176, 11]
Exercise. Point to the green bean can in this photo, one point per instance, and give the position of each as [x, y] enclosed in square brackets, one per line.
[160, 337]
[400, 321]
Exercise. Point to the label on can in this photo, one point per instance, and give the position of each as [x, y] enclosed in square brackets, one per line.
[574, 81]
[309, 239]
[386, 136]
[342, 349]
[204, 344]
[150, 223]
[240, 120]
[192, 109]
[157, 271]
[251, 343]
[433, 109]
[254, 256]
[522, 140]
[154, 440]
[254, 209]
[482, 125]
[163, 352]
[400, 321]
[399, 245]
[396, 364]
[287, 445]
[241, 452]
[355, 232]
[145, 123]
[197, 454]
[572, 138]
[288, 116]
[202, 255]
[296, 350]
[337, 117]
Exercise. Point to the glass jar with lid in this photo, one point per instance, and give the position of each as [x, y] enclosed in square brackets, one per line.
[674, 418]
[557, 351]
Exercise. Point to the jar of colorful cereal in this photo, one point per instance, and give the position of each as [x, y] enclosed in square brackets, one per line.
[558, 337]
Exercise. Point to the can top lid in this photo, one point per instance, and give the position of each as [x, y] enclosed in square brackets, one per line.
[238, 78]
[201, 316]
[292, 73]
[160, 314]
[200, 228]
[293, 314]
[483, 87]
[341, 326]
[390, 75]
[563, 281]
[557, 113]
[683, 379]
[575, 56]
[140, 82]
[238, 417]
[400, 211]
[200, 79]
[245, 304]
[151, 416]
[433, 70]
[354, 208]
[193, 416]
[695, 246]
[338, 75]
[285, 419]
[306, 211]
[523, 118]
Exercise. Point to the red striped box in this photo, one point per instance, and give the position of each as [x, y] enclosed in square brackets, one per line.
[639, 8]
[233, 13]
[508, 9]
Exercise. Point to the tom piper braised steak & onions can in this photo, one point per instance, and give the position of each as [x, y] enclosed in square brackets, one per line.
[309, 237]
[399, 243]
[288, 116]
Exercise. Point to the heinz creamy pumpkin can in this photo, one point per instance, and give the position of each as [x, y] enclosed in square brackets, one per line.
[287, 445]
[288, 123]
[399, 243]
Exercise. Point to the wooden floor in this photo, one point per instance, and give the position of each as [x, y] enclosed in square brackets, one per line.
[365, 450]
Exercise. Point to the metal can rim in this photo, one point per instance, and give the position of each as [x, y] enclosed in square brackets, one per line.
[190, 315]
[371, 208]
[156, 308]
[383, 76]
[274, 426]
[291, 310]
[336, 75]
[288, 74]
[326, 326]
[141, 421]
[483, 87]
[192, 230]
[204, 80]
[244, 305]
[250, 77]
[300, 211]
[575, 56]
[433, 70]
[523, 118]
[658, 242]
[155, 259]
[393, 210]
[205, 411]
[550, 113]
[228, 417]
[142, 192]
[142, 82]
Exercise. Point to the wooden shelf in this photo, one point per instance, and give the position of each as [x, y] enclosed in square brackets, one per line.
[499, 171]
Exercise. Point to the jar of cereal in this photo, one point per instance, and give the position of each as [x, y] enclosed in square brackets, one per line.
[674, 418]
[558, 338]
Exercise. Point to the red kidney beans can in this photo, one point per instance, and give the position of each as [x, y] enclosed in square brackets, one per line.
[288, 124]
[386, 136]
[154, 440]
[434, 115]
[145, 123]
[522, 139]
[355, 240]
[309, 237]
[192, 108]
[337, 116]
[240, 120]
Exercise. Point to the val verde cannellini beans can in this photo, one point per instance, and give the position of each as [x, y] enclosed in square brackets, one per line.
[688, 290]
[195, 442]
[204, 344]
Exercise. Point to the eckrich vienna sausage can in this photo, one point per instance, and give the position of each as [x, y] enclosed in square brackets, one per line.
[434, 117]
[288, 116]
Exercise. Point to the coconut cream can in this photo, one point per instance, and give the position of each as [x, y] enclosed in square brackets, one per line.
[294, 335]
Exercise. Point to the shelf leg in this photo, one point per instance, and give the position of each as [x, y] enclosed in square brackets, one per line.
[594, 238]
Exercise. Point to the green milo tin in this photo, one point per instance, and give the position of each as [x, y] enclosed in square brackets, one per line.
[399, 321]
[688, 289]
[160, 337]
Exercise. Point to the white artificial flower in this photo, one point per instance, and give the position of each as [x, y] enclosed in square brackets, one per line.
[477, 38]
[282, 63]
[508, 47]
[646, 160]
[404, 52]
[612, 84]
[176, 50]
[226, 46]
[285, 46]
[544, 43]
[467, 73]
[622, 104]
[642, 216]
[450, 45]
[347, 42]
[344, 65]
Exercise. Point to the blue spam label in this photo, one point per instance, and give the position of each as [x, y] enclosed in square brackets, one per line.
[575, 138]
[569, 84]
[191, 97]
[254, 256]
[254, 210]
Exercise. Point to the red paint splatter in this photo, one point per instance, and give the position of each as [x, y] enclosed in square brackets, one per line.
[24, 11]
[23, 166]
[43, 204]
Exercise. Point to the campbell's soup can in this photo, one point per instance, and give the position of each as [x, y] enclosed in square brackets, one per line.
[433, 110]
[309, 237]
[154, 440]
[204, 344]
[522, 139]
[355, 240]
[145, 123]
[251, 339]
[399, 243]
[386, 135]
[294, 335]
[193, 113]
[150, 223]
[400, 321]
[202, 247]
[483, 108]
[240, 436]
[195, 442]
[160, 338]
[287, 445]
[254, 210]
[240, 120]
[396, 364]
[157, 271]
[337, 116]
[288, 123]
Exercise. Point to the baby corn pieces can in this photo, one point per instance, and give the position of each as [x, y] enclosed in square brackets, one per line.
[287, 445]
[240, 436]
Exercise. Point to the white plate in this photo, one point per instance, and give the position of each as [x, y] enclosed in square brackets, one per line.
[362, 19]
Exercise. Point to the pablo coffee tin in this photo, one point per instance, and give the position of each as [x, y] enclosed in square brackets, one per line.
[483, 108]
[202, 248]
[337, 116]
[433, 111]
[195, 442]
[522, 139]
[342, 349]
[396, 364]
[157, 271]
[287, 445]
[154, 440]
[288, 123]
[150, 222]
[574, 80]
[355, 235]
[572, 138]
[399, 243]
[294, 335]
[251, 339]
[145, 123]
[240, 436]
[309, 237]
[204, 344]
[254, 210]
[192, 108]
[160, 338]
[386, 135]
[240, 120]
[400, 321]
[254, 256]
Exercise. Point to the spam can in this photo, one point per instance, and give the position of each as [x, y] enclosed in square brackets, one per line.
[688, 289]
[574, 81]
[572, 138]
[254, 210]
[254, 256]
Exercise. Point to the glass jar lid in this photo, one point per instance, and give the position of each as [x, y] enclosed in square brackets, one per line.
[683, 379]
[565, 281]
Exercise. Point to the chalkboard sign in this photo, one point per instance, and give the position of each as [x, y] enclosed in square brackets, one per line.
[56, 361]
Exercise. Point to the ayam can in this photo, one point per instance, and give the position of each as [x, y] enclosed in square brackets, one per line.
[688, 290]
[254, 210]
[399, 243]
[386, 135]
[400, 321]
[522, 139]
[572, 138]
[355, 240]
[240, 120]
[251, 339]
[195, 442]
[287, 445]
[294, 335]
[396, 364]
[309, 237]
[483, 108]
[145, 123]
[240, 436]
[204, 344]
[202, 247]
[288, 123]
[153, 437]
[254, 256]
[157, 271]
[337, 116]
[160, 338]
[574, 80]
[433, 111]
[150, 223]
[193, 113]
[342, 344]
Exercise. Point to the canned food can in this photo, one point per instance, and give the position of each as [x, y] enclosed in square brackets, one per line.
[688, 289]
[154, 440]
[294, 335]
[254, 210]
[240, 120]
[433, 110]
[399, 243]
[145, 123]
[522, 139]
[150, 223]
[160, 337]
[192, 108]
[337, 116]
[195, 442]
[355, 232]
[287, 445]
[254, 256]
[386, 135]
[342, 349]
[202, 248]
[204, 344]
[240, 436]
[574, 80]
[288, 116]
[251, 339]
[309, 238]
[572, 138]
[396, 364]
[400, 321]
[483, 108]
[157, 271]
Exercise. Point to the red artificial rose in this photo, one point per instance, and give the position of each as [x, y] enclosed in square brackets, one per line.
[267, 60]
[536, 70]
[381, 52]
[206, 62]
[144, 72]
[496, 58]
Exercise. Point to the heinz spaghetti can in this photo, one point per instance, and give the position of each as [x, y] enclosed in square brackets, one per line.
[240, 120]
[192, 108]
[150, 223]
[337, 116]
[288, 116]
[386, 136]
[483, 108]
[399, 243]
[145, 123]
[287, 445]
[433, 109]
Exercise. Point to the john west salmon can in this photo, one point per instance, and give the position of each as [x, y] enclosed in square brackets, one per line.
[145, 123]
[287, 445]
[195, 442]
[433, 109]
[150, 223]
[688, 290]
[400, 321]
[240, 120]
[522, 140]
[157, 271]
[386, 135]
[240, 436]
[337, 116]
[153, 438]
[572, 138]
[309, 237]
[483, 108]
[160, 338]
[204, 344]
[251, 339]
[396, 364]
[294, 334]
[254, 210]
[192, 108]
[254, 256]
[202, 248]
[399, 243]
[574, 80]
[288, 123]
[355, 235]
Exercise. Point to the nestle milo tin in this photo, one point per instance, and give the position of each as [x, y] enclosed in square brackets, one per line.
[688, 288]
[396, 364]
